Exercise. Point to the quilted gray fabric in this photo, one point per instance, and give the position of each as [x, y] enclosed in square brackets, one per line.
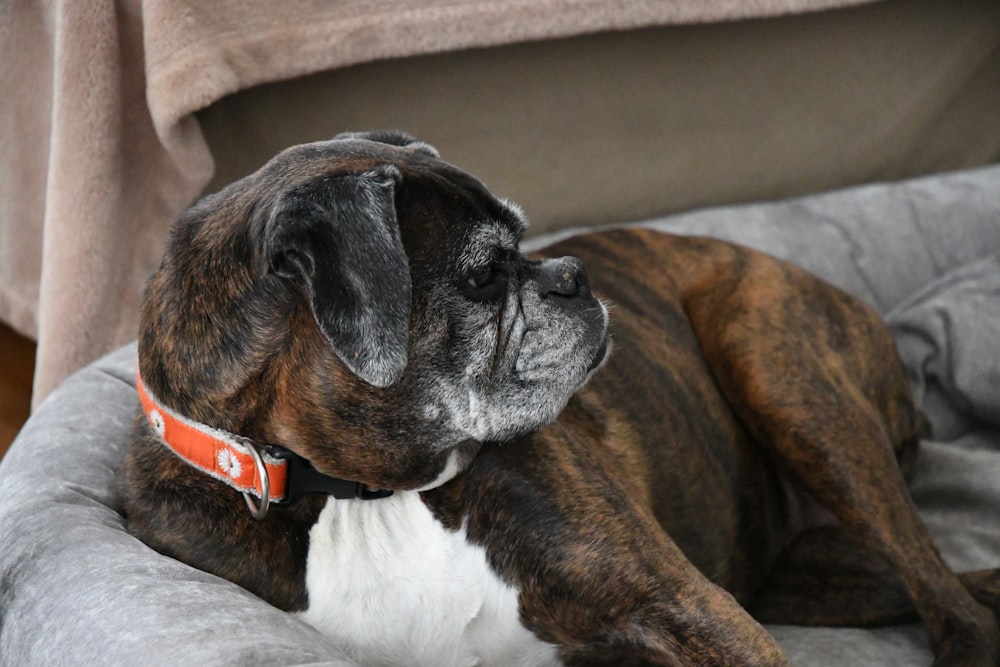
[76, 589]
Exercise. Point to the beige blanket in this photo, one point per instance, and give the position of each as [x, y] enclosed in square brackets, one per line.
[99, 149]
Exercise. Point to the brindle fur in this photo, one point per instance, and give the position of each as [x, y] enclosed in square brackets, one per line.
[641, 522]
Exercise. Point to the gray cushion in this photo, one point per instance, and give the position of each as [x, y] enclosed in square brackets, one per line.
[77, 589]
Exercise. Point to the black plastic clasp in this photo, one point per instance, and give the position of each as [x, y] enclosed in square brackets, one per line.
[303, 478]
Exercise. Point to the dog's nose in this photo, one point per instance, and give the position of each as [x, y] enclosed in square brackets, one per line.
[564, 277]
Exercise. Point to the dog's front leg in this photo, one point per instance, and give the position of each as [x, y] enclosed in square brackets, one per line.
[596, 574]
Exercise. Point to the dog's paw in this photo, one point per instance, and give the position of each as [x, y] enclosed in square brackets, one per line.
[974, 645]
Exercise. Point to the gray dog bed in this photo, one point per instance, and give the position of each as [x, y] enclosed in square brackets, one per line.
[75, 588]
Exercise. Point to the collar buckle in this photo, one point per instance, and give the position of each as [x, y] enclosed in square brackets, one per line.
[303, 479]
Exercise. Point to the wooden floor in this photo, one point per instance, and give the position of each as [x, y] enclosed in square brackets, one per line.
[17, 366]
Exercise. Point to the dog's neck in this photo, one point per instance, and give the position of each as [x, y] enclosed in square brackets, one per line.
[264, 475]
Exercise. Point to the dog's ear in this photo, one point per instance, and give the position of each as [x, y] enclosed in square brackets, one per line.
[338, 239]
[393, 138]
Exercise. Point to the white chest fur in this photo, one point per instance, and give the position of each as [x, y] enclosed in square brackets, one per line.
[391, 586]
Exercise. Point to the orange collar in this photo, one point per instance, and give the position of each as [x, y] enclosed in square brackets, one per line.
[276, 475]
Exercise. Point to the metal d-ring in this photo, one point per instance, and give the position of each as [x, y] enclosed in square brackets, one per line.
[258, 511]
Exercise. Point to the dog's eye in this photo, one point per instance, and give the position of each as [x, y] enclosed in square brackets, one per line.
[483, 278]
[486, 284]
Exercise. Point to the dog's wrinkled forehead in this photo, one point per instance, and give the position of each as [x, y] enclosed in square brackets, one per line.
[427, 180]
[502, 231]
[448, 220]
[444, 212]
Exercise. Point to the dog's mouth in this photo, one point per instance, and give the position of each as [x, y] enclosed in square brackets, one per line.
[602, 354]
[603, 350]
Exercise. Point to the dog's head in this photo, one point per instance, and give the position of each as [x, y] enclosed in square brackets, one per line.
[365, 304]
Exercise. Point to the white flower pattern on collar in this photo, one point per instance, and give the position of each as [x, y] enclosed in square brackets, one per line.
[156, 419]
[229, 463]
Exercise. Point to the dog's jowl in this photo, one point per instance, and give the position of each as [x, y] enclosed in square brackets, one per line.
[362, 402]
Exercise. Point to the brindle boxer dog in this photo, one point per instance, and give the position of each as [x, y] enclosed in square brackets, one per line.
[358, 310]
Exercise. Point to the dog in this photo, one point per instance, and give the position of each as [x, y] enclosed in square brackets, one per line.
[361, 402]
